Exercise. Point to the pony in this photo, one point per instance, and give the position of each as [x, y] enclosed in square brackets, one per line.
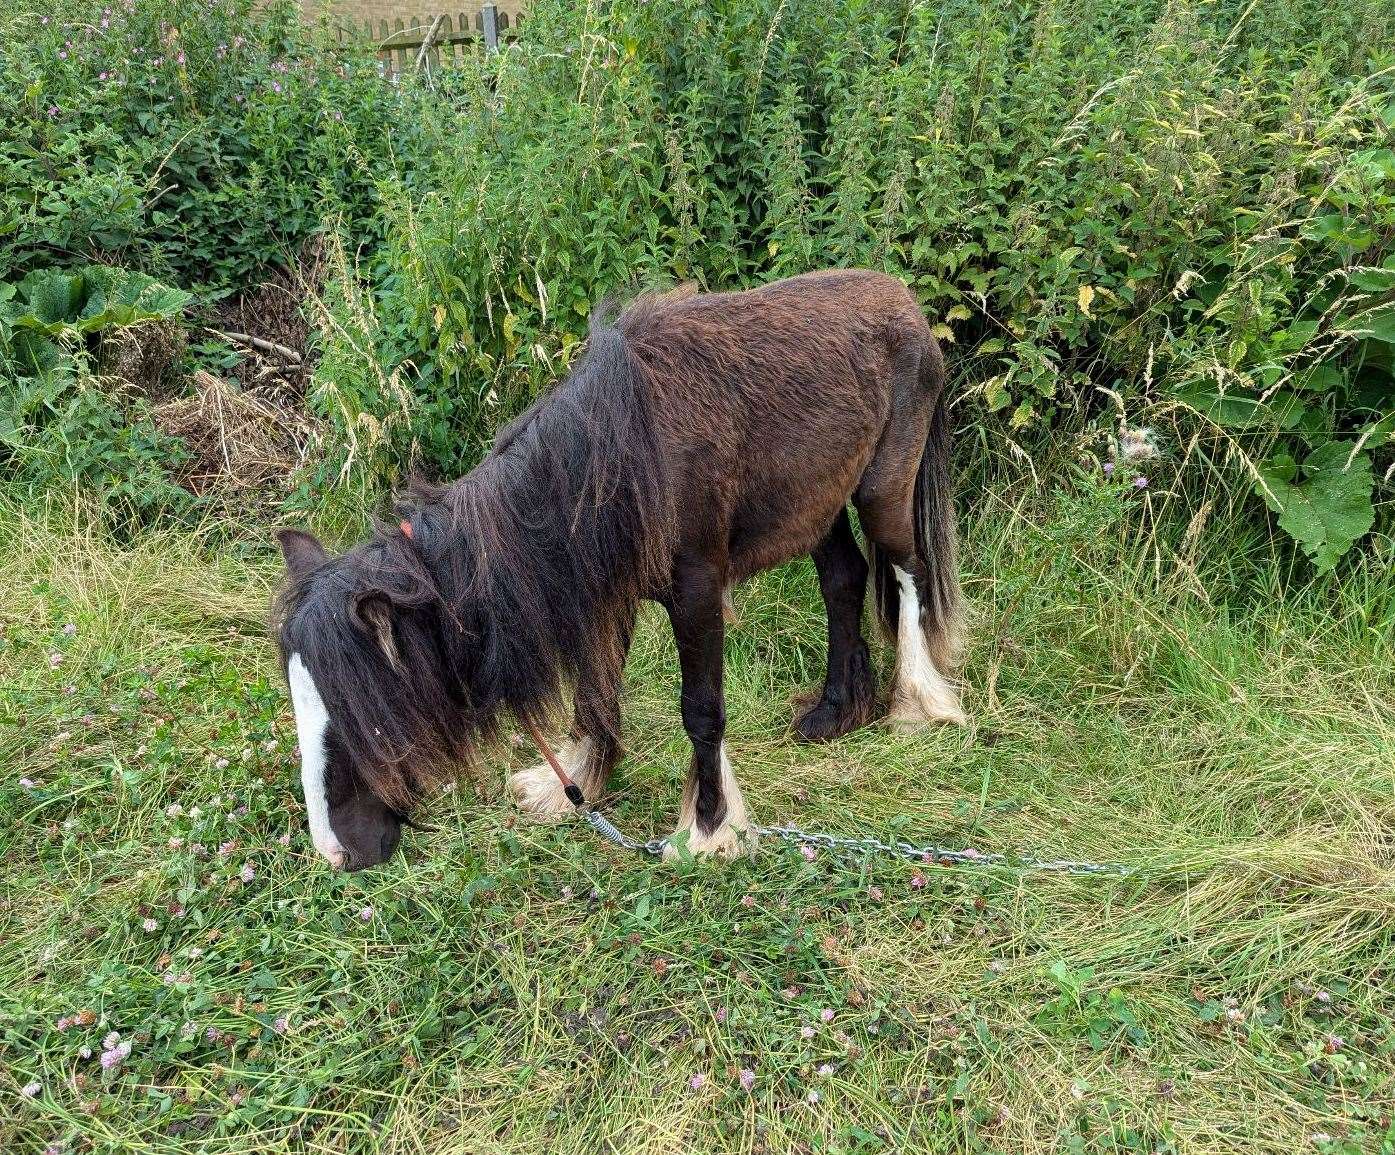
[700, 439]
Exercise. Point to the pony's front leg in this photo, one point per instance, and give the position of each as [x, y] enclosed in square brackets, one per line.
[713, 819]
[593, 747]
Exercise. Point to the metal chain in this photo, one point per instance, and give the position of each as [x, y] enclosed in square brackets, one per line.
[929, 854]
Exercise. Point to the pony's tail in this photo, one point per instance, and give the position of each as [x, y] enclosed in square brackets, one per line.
[941, 613]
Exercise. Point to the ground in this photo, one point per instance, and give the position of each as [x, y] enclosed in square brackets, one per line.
[1207, 716]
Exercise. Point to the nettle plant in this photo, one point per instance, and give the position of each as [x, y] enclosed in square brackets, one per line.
[61, 421]
[196, 141]
[1183, 207]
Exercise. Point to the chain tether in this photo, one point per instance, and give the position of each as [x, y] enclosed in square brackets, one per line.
[935, 855]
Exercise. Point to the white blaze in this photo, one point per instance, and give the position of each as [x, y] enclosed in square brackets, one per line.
[311, 725]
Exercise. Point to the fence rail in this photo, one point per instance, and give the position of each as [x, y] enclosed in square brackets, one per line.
[435, 41]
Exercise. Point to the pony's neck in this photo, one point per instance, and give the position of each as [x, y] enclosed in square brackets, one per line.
[558, 534]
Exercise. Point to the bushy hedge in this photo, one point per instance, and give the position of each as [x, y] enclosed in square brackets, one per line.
[1181, 203]
[197, 142]
[1109, 207]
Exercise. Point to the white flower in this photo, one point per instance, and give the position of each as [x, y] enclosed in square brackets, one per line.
[1137, 445]
[30, 1090]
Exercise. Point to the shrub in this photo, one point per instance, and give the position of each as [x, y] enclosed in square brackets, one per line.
[1182, 207]
[195, 141]
[1148, 210]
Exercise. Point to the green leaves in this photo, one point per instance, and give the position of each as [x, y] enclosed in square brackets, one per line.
[1330, 507]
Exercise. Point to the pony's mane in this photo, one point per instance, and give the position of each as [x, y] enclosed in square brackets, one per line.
[517, 580]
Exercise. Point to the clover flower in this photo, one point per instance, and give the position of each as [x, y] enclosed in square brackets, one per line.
[69, 629]
[31, 1090]
[747, 1078]
[282, 1024]
[806, 1032]
[247, 873]
[698, 1081]
[366, 914]
[825, 1070]
[917, 880]
[809, 853]
[113, 1057]
[150, 926]
[1140, 482]
[813, 1098]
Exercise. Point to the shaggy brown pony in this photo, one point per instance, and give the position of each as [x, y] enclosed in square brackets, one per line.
[702, 438]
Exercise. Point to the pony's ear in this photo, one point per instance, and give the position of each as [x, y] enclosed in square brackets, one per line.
[302, 551]
[372, 612]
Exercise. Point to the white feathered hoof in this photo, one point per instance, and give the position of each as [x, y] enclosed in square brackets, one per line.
[921, 694]
[731, 838]
[539, 792]
[914, 709]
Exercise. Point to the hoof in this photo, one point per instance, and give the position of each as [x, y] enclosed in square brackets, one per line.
[822, 722]
[912, 712]
[731, 838]
[539, 794]
[725, 842]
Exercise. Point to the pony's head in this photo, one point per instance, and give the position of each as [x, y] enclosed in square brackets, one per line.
[360, 638]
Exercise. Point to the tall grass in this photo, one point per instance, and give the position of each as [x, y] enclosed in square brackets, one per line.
[1179, 705]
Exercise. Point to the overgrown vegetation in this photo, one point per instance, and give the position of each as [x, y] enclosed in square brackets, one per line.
[1173, 212]
[242, 276]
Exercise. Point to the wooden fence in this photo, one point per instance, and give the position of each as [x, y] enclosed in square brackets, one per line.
[436, 41]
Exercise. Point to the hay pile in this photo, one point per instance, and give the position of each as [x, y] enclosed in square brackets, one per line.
[238, 439]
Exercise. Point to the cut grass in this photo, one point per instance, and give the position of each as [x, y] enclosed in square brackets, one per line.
[1218, 727]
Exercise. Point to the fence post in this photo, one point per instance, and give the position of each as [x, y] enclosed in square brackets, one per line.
[491, 27]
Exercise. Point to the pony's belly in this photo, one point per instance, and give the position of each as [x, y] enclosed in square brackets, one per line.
[787, 518]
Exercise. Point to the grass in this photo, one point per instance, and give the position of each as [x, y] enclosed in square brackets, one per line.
[1178, 703]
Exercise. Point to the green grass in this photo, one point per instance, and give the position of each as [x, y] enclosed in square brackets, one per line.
[1180, 704]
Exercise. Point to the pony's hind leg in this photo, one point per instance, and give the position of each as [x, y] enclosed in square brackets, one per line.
[849, 697]
[907, 512]
[590, 751]
[712, 820]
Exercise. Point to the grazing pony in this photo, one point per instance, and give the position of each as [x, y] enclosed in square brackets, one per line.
[701, 439]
